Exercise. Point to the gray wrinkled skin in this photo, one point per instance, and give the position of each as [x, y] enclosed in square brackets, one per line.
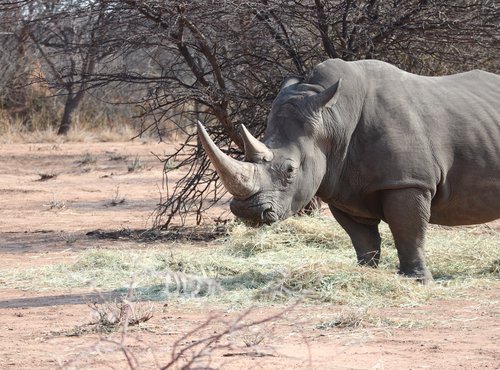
[383, 145]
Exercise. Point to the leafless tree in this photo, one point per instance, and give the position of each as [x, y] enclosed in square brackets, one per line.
[221, 64]
[72, 39]
[15, 59]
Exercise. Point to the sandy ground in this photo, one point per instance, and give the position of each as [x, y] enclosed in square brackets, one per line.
[38, 219]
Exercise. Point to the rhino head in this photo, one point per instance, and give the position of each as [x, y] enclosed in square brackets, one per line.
[283, 172]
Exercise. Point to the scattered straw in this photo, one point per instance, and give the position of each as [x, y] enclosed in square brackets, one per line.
[308, 257]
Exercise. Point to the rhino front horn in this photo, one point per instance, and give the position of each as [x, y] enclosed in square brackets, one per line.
[255, 151]
[239, 178]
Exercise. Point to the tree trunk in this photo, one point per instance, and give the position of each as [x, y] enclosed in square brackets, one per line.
[70, 106]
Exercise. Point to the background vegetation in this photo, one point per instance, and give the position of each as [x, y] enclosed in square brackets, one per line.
[167, 63]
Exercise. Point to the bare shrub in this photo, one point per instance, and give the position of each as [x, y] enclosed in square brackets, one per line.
[117, 198]
[112, 315]
[192, 350]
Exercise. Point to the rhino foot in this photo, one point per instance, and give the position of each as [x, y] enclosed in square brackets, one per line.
[420, 276]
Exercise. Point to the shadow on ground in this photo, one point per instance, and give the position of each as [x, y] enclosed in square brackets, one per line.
[62, 299]
[56, 241]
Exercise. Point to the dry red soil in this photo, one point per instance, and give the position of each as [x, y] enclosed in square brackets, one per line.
[37, 218]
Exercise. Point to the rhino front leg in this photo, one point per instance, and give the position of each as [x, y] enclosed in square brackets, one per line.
[365, 237]
[407, 211]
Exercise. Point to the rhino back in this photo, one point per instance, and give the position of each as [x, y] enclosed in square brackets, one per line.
[441, 134]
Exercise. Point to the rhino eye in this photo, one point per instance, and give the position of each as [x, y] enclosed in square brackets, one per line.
[286, 172]
[289, 169]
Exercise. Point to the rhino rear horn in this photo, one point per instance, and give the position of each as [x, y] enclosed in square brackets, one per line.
[239, 178]
[255, 150]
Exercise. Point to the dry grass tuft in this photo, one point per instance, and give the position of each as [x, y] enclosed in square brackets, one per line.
[135, 166]
[348, 317]
[295, 231]
[117, 198]
[56, 205]
[87, 160]
[39, 119]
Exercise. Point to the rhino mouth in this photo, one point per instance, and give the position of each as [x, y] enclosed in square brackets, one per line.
[270, 216]
[257, 213]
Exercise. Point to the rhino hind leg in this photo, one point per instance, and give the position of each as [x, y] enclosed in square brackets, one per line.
[407, 211]
[365, 237]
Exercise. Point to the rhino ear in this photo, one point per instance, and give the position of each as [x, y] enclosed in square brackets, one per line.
[328, 97]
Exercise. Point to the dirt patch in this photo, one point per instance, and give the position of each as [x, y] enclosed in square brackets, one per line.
[78, 205]
[449, 335]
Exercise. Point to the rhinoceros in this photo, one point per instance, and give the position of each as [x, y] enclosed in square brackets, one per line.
[375, 143]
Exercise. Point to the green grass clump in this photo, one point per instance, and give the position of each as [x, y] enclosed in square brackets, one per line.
[309, 257]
